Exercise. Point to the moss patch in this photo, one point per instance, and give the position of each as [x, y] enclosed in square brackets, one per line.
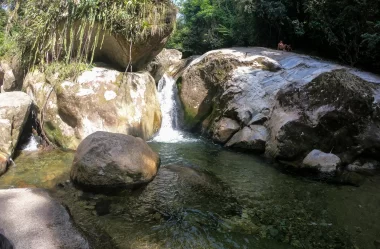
[55, 135]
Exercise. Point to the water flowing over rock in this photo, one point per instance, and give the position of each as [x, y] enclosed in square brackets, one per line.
[109, 161]
[305, 103]
[14, 112]
[171, 112]
[30, 218]
[99, 100]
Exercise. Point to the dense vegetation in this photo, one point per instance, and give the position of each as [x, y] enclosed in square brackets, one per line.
[348, 30]
[49, 30]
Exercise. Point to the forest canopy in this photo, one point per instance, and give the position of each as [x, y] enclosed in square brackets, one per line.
[344, 30]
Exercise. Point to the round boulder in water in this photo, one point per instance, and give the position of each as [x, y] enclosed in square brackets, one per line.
[107, 161]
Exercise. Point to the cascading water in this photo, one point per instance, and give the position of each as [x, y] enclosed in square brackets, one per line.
[170, 110]
[32, 144]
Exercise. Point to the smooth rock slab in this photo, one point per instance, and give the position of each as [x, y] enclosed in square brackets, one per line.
[31, 219]
[106, 161]
[324, 162]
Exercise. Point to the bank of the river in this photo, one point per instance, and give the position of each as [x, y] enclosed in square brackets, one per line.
[211, 198]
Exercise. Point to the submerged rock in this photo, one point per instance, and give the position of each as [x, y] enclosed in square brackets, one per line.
[324, 162]
[252, 137]
[31, 219]
[100, 99]
[14, 112]
[106, 161]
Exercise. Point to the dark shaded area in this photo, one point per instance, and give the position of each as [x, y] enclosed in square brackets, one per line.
[343, 30]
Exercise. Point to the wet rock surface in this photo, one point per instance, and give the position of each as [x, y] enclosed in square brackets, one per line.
[30, 218]
[304, 102]
[110, 161]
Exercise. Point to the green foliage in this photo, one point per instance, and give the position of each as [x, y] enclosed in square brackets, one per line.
[52, 29]
[63, 71]
[340, 29]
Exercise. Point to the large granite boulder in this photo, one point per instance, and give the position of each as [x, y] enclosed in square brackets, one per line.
[106, 161]
[30, 218]
[303, 102]
[100, 99]
[15, 108]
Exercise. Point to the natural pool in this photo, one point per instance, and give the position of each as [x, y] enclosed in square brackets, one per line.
[212, 198]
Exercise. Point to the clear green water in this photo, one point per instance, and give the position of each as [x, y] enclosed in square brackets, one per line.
[214, 199]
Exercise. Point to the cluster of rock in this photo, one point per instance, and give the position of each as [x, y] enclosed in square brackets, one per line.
[284, 105]
[71, 112]
[68, 109]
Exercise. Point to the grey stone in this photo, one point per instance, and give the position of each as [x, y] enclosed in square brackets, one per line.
[224, 129]
[253, 138]
[31, 219]
[324, 162]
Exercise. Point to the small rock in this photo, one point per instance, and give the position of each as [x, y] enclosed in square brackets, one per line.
[324, 162]
[224, 129]
[253, 138]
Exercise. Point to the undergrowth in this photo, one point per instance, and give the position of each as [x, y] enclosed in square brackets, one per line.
[71, 30]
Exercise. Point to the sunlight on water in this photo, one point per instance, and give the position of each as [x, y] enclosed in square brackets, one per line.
[170, 109]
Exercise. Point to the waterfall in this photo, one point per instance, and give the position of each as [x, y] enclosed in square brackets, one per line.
[170, 109]
[32, 144]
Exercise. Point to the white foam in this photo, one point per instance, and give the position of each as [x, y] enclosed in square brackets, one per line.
[169, 133]
[32, 144]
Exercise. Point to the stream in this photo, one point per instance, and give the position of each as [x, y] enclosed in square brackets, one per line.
[205, 196]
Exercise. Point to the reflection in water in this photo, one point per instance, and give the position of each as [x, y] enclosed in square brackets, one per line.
[207, 197]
